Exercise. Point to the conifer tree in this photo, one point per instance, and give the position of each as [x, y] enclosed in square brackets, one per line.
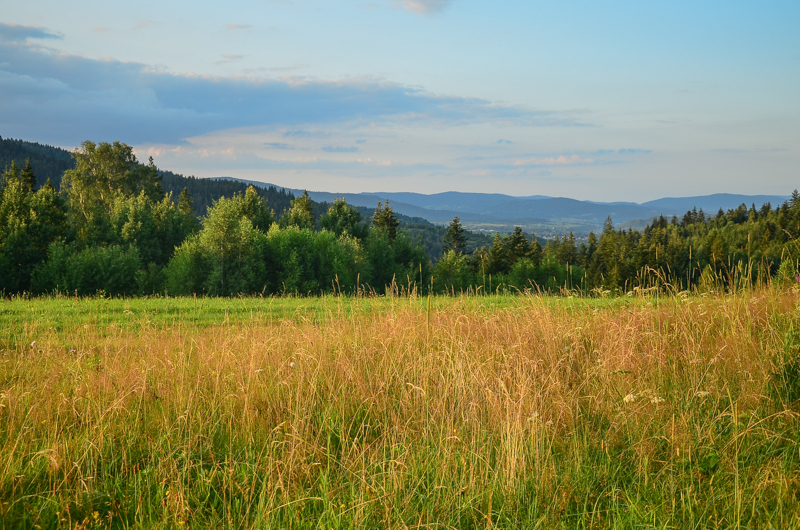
[185, 202]
[455, 238]
[498, 261]
[27, 177]
[260, 215]
[567, 252]
[517, 246]
[535, 251]
[9, 175]
[384, 218]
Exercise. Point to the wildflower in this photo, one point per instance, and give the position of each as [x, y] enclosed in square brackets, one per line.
[657, 400]
[291, 365]
[630, 398]
[33, 344]
[702, 394]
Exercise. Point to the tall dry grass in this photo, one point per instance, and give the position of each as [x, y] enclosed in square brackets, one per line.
[671, 413]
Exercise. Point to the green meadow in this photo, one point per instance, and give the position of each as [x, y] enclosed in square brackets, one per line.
[510, 411]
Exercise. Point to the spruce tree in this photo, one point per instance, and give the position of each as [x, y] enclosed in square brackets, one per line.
[260, 214]
[384, 218]
[517, 245]
[498, 260]
[535, 251]
[185, 202]
[455, 238]
[27, 177]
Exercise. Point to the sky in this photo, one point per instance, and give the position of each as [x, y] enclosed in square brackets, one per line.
[604, 101]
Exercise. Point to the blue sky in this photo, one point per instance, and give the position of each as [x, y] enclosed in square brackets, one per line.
[602, 101]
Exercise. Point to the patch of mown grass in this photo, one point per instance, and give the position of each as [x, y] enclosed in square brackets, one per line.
[22, 318]
[480, 412]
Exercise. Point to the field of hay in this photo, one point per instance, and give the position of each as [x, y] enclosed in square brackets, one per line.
[465, 412]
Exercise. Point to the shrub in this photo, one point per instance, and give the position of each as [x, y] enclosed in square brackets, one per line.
[112, 270]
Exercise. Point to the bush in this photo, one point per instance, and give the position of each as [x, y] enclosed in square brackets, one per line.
[452, 273]
[399, 260]
[111, 270]
[523, 275]
[302, 261]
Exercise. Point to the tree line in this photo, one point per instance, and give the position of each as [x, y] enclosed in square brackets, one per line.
[726, 251]
[114, 227]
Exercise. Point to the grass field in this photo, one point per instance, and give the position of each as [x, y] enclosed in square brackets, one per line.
[470, 412]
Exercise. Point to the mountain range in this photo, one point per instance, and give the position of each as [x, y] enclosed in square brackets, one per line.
[480, 212]
[544, 215]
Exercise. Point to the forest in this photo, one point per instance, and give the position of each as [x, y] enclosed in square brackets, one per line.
[102, 223]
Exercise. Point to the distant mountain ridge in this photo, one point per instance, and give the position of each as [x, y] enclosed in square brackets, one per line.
[542, 214]
[507, 206]
[484, 212]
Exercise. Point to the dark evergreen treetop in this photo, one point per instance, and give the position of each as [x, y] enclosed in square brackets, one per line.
[384, 218]
[455, 238]
[185, 202]
[27, 176]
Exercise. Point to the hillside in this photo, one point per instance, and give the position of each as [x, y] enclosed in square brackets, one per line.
[47, 161]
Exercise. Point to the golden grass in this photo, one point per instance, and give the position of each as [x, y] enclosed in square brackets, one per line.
[663, 413]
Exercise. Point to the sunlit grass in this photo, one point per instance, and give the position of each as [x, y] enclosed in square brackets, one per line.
[470, 412]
